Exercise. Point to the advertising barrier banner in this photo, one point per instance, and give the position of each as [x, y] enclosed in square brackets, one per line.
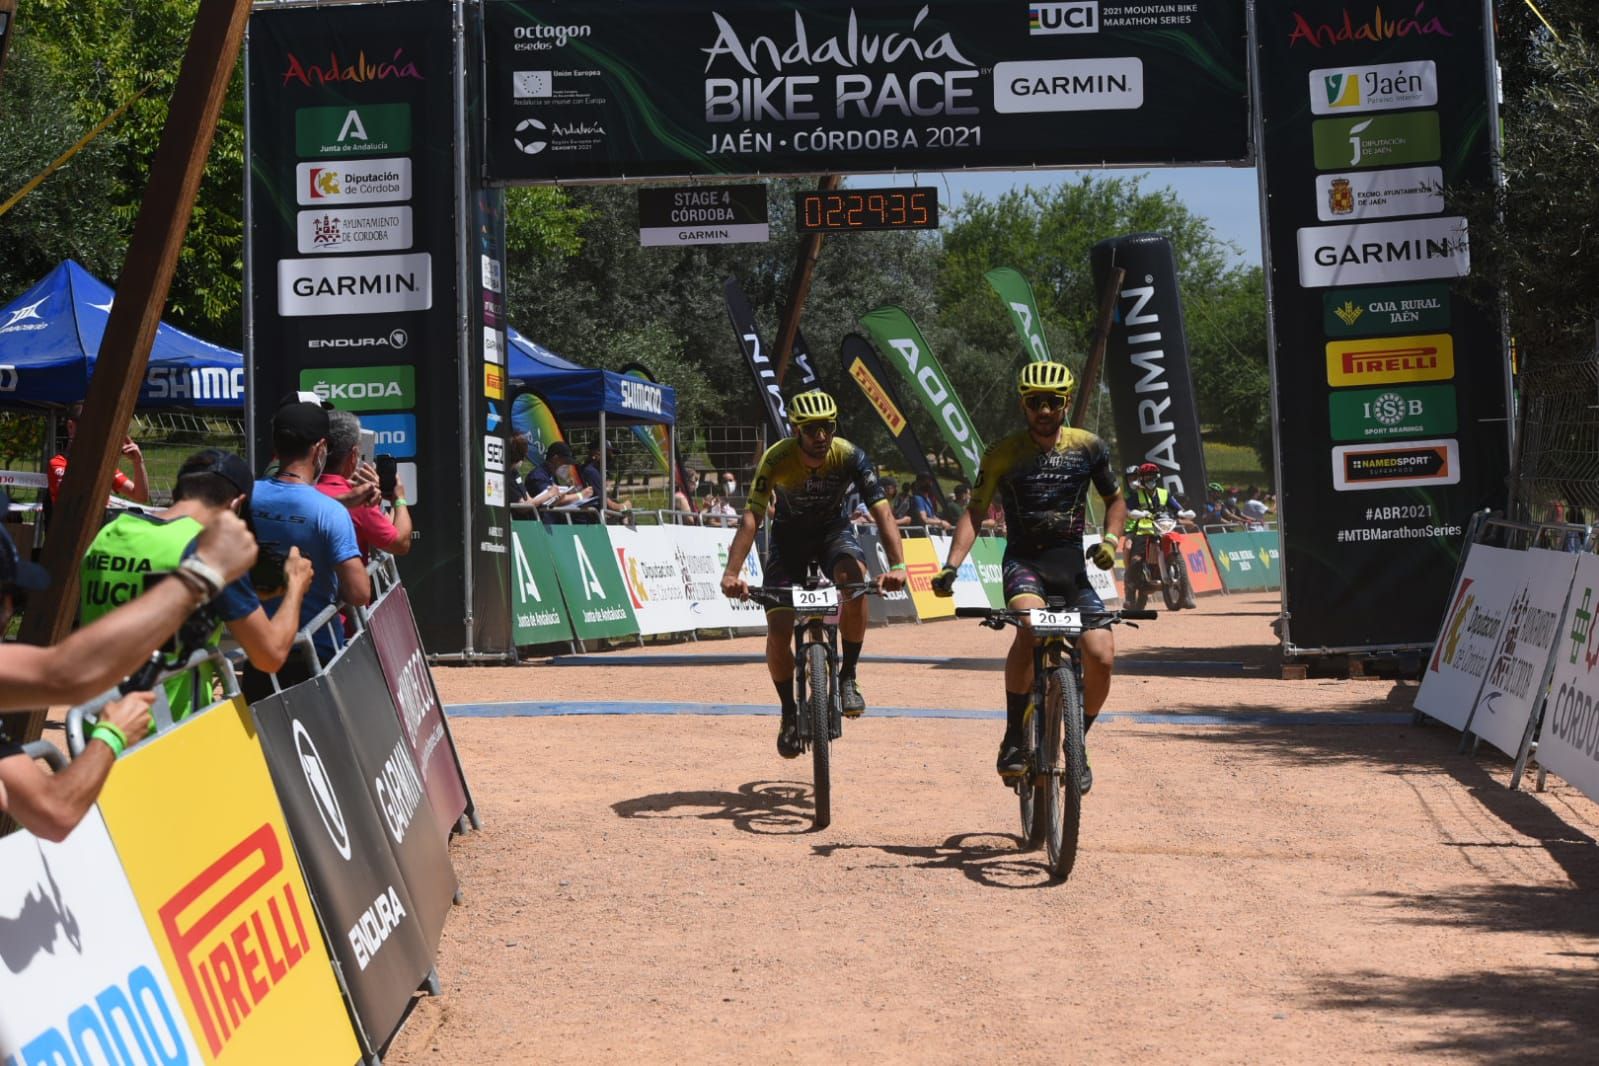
[1203, 575]
[895, 606]
[1533, 613]
[359, 892]
[922, 565]
[989, 555]
[393, 785]
[1391, 387]
[644, 88]
[1247, 562]
[596, 598]
[657, 587]
[702, 553]
[393, 630]
[80, 968]
[968, 586]
[1568, 744]
[197, 827]
[1103, 581]
[539, 615]
[1469, 636]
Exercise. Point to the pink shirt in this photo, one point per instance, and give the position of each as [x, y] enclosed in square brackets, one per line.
[372, 527]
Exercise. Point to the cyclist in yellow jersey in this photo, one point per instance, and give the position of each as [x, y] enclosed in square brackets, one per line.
[1042, 476]
[805, 481]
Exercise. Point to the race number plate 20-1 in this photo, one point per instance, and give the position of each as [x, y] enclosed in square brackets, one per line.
[1067, 623]
[824, 599]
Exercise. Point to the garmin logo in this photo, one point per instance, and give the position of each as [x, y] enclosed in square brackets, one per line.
[1069, 85]
[355, 285]
[641, 396]
[395, 339]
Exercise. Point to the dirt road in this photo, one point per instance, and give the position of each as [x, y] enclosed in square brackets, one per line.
[1271, 870]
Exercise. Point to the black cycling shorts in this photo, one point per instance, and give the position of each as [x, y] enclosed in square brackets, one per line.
[1060, 573]
[788, 558]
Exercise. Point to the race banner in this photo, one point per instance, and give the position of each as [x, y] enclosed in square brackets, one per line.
[80, 967]
[989, 556]
[1146, 363]
[393, 785]
[657, 587]
[538, 613]
[197, 827]
[1247, 562]
[427, 731]
[1468, 640]
[1390, 384]
[358, 290]
[968, 586]
[358, 889]
[895, 333]
[1016, 293]
[596, 598]
[742, 318]
[1203, 575]
[701, 551]
[585, 89]
[1568, 744]
[922, 565]
[892, 606]
[863, 367]
[1514, 685]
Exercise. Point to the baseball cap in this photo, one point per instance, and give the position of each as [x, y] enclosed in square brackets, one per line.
[15, 571]
[226, 465]
[300, 421]
[559, 450]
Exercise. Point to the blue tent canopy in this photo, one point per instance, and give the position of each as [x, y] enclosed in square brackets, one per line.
[50, 337]
[579, 394]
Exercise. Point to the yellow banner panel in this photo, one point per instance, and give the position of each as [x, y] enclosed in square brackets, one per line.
[197, 826]
[890, 413]
[921, 566]
[1390, 360]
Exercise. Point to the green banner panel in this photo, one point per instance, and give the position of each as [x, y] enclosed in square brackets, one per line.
[537, 614]
[1248, 561]
[596, 597]
[1385, 309]
[366, 129]
[1376, 140]
[1393, 412]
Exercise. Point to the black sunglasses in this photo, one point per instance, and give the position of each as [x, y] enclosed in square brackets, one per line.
[1045, 401]
[812, 429]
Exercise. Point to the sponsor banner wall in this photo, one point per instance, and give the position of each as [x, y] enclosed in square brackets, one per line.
[642, 88]
[1390, 385]
[968, 586]
[1246, 561]
[1203, 573]
[1568, 743]
[221, 891]
[421, 714]
[1533, 614]
[591, 583]
[922, 565]
[895, 606]
[701, 551]
[652, 576]
[359, 892]
[392, 782]
[1467, 640]
[80, 967]
[538, 614]
[1103, 581]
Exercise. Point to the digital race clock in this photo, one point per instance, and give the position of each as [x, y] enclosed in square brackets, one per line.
[853, 210]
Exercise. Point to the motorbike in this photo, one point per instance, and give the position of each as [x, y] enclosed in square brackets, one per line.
[1160, 565]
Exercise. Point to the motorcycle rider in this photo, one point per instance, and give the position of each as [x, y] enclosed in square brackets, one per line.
[1148, 495]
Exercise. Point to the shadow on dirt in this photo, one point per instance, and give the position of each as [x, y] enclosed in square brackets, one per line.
[1226, 659]
[768, 808]
[990, 859]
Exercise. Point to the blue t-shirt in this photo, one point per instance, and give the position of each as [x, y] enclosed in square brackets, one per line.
[596, 484]
[237, 599]
[289, 514]
[539, 479]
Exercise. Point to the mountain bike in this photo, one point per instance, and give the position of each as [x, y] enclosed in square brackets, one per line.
[1160, 565]
[816, 692]
[1050, 791]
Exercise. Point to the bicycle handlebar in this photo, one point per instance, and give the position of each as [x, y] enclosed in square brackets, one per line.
[776, 595]
[1014, 616]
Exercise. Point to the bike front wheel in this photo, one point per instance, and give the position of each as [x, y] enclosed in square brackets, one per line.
[818, 700]
[1063, 730]
[1172, 584]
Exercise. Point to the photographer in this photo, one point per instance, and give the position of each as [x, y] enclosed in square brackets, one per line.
[134, 545]
[355, 484]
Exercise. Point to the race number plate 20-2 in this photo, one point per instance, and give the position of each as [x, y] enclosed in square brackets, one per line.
[1057, 623]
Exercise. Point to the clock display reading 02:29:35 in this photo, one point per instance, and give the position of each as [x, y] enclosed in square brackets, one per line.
[852, 210]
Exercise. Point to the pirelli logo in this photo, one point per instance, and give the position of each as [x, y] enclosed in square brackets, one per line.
[1391, 360]
[886, 408]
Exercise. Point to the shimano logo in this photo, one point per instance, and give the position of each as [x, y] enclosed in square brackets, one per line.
[395, 339]
[641, 396]
[184, 383]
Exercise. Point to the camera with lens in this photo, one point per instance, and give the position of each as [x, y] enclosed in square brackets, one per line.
[268, 576]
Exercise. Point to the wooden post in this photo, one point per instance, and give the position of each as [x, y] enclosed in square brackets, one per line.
[810, 250]
[142, 288]
[1096, 351]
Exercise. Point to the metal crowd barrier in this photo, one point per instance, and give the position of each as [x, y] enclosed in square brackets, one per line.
[47, 753]
[82, 718]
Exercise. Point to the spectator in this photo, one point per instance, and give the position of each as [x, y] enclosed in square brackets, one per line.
[544, 488]
[718, 512]
[960, 497]
[1252, 510]
[923, 511]
[515, 456]
[289, 512]
[50, 806]
[99, 655]
[682, 501]
[729, 484]
[900, 504]
[133, 545]
[135, 488]
[348, 475]
[594, 481]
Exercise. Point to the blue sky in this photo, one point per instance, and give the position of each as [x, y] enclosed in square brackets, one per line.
[1227, 196]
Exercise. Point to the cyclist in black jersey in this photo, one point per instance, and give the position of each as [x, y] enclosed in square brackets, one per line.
[1042, 476]
[805, 482]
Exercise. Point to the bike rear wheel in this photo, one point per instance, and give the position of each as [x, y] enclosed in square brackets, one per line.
[1064, 731]
[818, 698]
[1031, 790]
[1172, 584]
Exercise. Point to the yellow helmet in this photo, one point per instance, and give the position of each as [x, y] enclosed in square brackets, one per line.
[1046, 377]
[812, 406]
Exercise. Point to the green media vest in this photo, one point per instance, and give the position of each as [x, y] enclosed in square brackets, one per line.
[123, 556]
